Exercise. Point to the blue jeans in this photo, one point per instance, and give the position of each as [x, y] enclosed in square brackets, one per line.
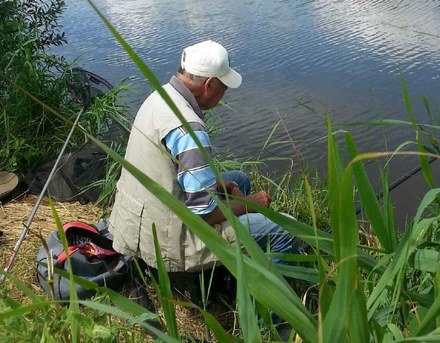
[267, 234]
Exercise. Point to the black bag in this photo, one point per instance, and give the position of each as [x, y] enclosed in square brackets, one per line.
[73, 179]
[82, 165]
[92, 258]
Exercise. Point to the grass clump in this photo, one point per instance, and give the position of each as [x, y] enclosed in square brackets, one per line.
[289, 195]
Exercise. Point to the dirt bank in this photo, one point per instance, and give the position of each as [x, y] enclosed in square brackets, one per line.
[15, 213]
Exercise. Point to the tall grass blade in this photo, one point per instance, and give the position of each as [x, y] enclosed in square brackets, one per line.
[388, 207]
[397, 334]
[432, 136]
[133, 320]
[436, 294]
[427, 200]
[299, 273]
[220, 334]
[408, 102]
[118, 299]
[312, 213]
[267, 141]
[334, 181]
[246, 307]
[426, 170]
[166, 295]
[348, 239]
[27, 291]
[435, 337]
[306, 233]
[325, 293]
[386, 235]
[424, 163]
[73, 303]
[393, 122]
[358, 321]
[23, 309]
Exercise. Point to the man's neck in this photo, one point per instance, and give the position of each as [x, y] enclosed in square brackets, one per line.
[182, 87]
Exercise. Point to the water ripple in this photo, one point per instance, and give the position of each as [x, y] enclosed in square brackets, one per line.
[342, 57]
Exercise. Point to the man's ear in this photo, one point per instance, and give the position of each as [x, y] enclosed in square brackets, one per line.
[208, 84]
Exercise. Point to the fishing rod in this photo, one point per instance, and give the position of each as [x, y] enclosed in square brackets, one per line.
[393, 185]
[398, 182]
[26, 227]
[302, 249]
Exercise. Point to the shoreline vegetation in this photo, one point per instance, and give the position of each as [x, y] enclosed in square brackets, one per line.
[361, 281]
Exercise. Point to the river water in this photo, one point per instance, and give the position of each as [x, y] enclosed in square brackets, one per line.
[299, 60]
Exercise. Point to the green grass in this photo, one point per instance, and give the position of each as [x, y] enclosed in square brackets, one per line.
[289, 195]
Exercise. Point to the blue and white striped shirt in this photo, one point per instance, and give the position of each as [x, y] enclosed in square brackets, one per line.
[194, 174]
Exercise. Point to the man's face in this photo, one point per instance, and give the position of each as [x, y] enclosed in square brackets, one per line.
[214, 92]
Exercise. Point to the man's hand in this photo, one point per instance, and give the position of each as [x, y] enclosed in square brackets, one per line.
[236, 192]
[229, 187]
[260, 198]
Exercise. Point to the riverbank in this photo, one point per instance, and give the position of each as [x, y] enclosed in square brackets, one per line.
[15, 213]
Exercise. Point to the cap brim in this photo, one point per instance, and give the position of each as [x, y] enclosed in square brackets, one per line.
[231, 79]
[8, 182]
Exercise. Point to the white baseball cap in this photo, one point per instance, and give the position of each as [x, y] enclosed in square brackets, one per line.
[210, 59]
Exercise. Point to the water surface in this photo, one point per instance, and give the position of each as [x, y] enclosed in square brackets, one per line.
[299, 60]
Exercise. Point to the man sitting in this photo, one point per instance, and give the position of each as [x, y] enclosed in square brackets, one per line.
[163, 149]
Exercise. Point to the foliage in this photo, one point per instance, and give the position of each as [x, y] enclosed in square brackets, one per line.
[51, 321]
[28, 29]
[29, 133]
[289, 195]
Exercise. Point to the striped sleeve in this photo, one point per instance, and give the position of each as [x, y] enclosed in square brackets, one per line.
[194, 174]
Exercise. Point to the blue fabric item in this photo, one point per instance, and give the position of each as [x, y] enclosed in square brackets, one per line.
[178, 141]
[240, 178]
[194, 175]
[195, 180]
[267, 234]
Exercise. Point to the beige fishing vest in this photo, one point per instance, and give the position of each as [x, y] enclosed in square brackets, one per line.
[136, 209]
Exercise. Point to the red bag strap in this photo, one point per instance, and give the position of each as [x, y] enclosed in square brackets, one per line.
[71, 249]
[63, 257]
[80, 225]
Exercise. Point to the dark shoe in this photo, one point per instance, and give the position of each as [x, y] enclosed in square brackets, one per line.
[140, 296]
[284, 330]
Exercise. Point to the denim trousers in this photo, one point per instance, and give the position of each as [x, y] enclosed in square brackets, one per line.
[268, 235]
